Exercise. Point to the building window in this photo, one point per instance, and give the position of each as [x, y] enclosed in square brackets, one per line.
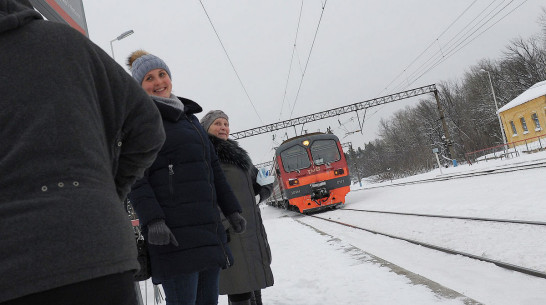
[514, 130]
[523, 125]
[534, 117]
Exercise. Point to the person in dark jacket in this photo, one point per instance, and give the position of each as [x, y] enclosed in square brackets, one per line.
[251, 272]
[177, 200]
[75, 132]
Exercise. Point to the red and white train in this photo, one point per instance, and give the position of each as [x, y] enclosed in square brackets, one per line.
[311, 173]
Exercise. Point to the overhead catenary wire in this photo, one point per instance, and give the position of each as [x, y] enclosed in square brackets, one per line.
[464, 36]
[289, 70]
[461, 47]
[461, 34]
[294, 52]
[308, 57]
[438, 56]
[291, 60]
[230, 61]
[461, 31]
[429, 46]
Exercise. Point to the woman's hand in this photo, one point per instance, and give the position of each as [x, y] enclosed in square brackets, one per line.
[159, 234]
[237, 222]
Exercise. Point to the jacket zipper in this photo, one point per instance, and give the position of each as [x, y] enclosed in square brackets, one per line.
[171, 174]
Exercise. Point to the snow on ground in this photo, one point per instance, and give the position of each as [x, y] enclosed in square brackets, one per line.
[317, 262]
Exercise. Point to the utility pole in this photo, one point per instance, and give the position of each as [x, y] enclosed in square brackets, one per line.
[353, 153]
[497, 109]
[444, 127]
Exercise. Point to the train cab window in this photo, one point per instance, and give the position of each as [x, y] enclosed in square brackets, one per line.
[295, 158]
[324, 152]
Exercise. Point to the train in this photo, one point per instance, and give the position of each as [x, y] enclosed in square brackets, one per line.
[311, 174]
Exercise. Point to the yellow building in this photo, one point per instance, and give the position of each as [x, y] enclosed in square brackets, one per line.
[525, 116]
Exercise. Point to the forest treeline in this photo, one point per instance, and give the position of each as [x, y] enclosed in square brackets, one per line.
[405, 142]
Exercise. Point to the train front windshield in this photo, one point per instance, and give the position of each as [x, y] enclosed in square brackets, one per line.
[324, 152]
[295, 158]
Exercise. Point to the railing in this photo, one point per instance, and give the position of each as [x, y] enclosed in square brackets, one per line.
[510, 150]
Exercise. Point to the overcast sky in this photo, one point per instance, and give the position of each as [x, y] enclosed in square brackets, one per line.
[360, 51]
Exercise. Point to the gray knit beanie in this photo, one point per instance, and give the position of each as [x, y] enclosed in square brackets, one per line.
[211, 116]
[144, 64]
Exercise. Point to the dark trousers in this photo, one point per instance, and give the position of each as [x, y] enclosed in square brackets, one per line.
[115, 289]
[198, 288]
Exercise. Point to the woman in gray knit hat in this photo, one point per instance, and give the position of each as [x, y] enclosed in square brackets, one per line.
[177, 200]
[251, 272]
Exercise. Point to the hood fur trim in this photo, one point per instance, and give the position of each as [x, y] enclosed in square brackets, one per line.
[230, 152]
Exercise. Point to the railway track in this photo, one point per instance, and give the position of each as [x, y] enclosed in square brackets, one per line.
[498, 170]
[514, 221]
[501, 264]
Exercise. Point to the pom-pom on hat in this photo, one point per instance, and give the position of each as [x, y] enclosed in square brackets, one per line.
[211, 116]
[141, 62]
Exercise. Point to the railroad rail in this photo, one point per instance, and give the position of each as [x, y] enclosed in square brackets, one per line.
[499, 170]
[504, 265]
[514, 221]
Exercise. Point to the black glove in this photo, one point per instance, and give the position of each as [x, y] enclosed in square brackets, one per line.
[265, 192]
[237, 222]
[159, 234]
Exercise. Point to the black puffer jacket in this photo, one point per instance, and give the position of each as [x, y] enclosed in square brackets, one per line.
[250, 249]
[185, 186]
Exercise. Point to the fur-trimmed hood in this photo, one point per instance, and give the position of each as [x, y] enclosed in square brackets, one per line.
[230, 152]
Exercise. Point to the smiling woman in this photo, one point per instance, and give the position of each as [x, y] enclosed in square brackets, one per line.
[157, 82]
[151, 73]
[216, 123]
[252, 271]
[178, 201]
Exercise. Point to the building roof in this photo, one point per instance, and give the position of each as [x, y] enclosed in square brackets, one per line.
[536, 90]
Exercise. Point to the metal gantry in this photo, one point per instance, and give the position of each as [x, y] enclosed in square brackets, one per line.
[333, 112]
[264, 164]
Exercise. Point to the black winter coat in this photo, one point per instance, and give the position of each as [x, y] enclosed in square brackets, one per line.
[185, 186]
[75, 133]
[251, 270]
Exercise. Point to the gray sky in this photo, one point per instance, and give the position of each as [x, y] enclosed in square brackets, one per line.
[360, 52]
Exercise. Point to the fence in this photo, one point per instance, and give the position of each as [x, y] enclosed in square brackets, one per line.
[509, 150]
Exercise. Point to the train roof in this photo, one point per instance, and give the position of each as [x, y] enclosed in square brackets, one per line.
[310, 136]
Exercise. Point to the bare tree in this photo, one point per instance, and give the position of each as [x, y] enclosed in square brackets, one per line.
[406, 139]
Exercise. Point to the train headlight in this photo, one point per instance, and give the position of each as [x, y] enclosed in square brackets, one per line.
[293, 182]
[305, 143]
[338, 172]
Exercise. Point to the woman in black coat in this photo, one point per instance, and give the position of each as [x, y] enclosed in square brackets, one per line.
[251, 272]
[177, 200]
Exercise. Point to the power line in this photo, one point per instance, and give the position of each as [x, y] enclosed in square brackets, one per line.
[457, 50]
[291, 59]
[294, 51]
[448, 44]
[308, 57]
[232, 65]
[429, 46]
[464, 36]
